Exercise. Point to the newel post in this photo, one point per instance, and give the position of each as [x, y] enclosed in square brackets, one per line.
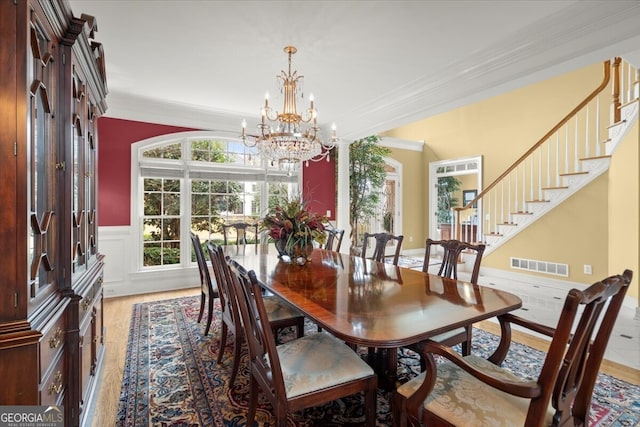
[615, 101]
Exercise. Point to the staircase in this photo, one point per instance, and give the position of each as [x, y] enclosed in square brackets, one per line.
[571, 155]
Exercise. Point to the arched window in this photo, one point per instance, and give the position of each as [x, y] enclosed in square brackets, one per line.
[197, 181]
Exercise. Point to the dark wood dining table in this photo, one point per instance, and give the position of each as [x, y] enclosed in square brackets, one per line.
[373, 304]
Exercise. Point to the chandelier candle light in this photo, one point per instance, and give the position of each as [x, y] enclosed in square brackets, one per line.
[296, 137]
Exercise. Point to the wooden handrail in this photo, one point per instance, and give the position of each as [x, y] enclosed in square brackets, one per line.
[562, 122]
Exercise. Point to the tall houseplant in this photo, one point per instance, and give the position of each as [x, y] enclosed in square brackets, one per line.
[447, 187]
[367, 174]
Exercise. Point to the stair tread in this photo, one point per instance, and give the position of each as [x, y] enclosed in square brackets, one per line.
[621, 122]
[563, 187]
[537, 201]
[521, 213]
[596, 157]
[573, 173]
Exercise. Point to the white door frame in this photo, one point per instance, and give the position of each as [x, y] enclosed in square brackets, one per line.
[452, 167]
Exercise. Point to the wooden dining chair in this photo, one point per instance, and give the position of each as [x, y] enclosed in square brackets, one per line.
[452, 251]
[334, 239]
[301, 373]
[280, 314]
[241, 229]
[381, 240]
[208, 291]
[559, 395]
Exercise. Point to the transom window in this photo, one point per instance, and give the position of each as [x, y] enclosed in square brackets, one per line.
[197, 182]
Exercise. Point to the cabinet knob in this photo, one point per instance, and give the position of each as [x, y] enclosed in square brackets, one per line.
[56, 385]
[55, 340]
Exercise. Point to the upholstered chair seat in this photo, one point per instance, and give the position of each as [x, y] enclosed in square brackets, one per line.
[318, 361]
[461, 399]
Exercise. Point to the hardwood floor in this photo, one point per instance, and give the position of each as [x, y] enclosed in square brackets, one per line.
[117, 318]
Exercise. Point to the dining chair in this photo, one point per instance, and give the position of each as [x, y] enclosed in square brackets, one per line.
[208, 292]
[452, 251]
[302, 373]
[334, 239]
[559, 395]
[241, 229]
[280, 314]
[381, 240]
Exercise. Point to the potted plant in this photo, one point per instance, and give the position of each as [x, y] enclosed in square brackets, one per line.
[447, 187]
[294, 228]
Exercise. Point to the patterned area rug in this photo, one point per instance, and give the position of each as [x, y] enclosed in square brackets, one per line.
[171, 378]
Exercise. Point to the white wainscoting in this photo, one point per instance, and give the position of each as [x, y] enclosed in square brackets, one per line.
[121, 275]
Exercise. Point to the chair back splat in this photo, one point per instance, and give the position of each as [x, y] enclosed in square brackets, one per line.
[452, 252]
[380, 245]
[334, 239]
[240, 229]
[581, 363]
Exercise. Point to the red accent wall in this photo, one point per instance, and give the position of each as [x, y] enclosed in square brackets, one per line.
[115, 137]
[319, 186]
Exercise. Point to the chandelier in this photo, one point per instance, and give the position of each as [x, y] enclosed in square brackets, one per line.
[287, 138]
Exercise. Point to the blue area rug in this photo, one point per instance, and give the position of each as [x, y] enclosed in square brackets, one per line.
[171, 378]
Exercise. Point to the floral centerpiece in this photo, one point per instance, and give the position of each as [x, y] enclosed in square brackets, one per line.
[294, 228]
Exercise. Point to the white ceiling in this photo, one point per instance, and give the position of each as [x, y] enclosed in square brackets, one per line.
[371, 65]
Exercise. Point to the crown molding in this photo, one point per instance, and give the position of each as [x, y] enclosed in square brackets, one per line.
[402, 144]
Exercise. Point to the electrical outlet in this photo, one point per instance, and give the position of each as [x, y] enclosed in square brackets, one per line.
[587, 269]
[410, 239]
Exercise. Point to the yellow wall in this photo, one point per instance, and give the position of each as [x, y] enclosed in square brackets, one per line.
[624, 209]
[585, 229]
[414, 199]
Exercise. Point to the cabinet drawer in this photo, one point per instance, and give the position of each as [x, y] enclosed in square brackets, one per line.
[85, 306]
[52, 342]
[54, 384]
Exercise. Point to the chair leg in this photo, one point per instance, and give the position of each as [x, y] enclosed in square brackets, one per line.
[223, 342]
[300, 328]
[370, 398]
[237, 347]
[253, 401]
[466, 345]
[202, 298]
[209, 316]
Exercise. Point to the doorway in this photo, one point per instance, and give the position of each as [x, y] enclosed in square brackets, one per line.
[456, 178]
[387, 217]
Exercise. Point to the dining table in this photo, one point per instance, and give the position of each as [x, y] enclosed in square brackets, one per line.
[372, 304]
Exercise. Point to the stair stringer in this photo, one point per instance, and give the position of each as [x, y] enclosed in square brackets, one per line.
[575, 182]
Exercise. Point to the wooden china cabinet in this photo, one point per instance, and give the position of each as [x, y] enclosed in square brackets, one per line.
[52, 91]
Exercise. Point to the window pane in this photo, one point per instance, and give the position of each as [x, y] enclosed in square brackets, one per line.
[152, 203]
[152, 254]
[172, 204]
[209, 150]
[173, 151]
[171, 253]
[151, 229]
